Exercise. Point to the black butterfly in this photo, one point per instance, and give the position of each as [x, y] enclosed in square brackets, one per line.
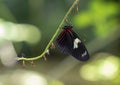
[69, 42]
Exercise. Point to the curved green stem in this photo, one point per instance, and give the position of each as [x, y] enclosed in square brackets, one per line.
[52, 39]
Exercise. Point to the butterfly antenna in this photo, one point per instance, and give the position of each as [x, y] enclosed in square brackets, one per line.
[68, 22]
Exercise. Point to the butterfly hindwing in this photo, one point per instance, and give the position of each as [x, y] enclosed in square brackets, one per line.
[79, 51]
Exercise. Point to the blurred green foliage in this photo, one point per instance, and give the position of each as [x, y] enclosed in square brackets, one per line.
[39, 19]
[100, 14]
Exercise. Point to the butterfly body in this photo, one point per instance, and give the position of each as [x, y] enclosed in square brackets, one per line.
[69, 42]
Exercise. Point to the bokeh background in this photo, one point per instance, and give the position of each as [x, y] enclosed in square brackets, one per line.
[26, 27]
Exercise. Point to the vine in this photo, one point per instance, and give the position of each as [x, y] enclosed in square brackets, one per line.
[54, 36]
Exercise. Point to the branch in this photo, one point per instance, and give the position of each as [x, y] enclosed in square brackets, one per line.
[54, 36]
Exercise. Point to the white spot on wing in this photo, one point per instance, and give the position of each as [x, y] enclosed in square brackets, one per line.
[76, 41]
[85, 53]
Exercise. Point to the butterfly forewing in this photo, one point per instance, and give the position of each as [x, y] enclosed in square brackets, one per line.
[63, 41]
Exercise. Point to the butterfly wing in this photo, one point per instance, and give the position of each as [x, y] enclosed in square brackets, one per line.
[68, 42]
[80, 52]
[64, 42]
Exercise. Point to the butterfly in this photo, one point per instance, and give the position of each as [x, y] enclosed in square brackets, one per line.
[69, 42]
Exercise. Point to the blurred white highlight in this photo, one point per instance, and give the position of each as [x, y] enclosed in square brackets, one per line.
[25, 77]
[8, 55]
[19, 32]
[33, 79]
[1, 31]
[109, 68]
